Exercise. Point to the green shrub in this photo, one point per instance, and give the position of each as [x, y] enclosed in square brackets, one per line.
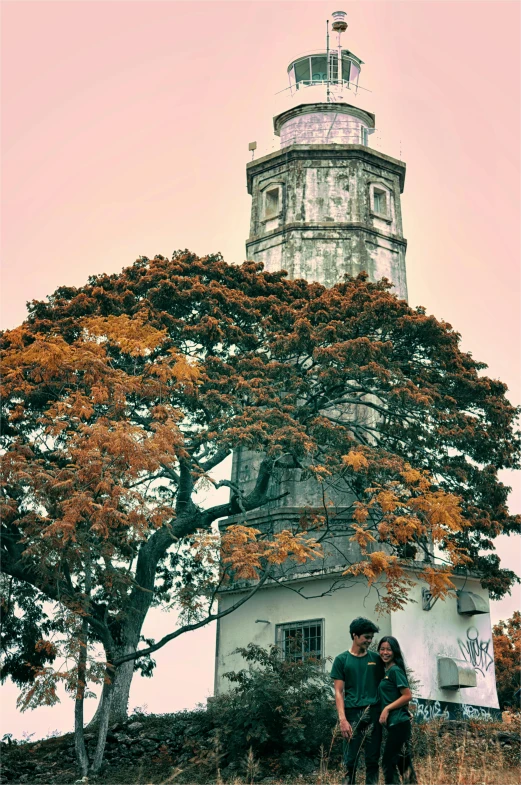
[279, 713]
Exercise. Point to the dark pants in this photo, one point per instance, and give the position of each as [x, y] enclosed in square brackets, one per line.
[397, 759]
[366, 740]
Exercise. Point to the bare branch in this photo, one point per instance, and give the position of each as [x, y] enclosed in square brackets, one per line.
[215, 460]
[190, 627]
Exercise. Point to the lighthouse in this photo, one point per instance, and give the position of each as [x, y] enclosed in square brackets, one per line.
[327, 204]
[324, 206]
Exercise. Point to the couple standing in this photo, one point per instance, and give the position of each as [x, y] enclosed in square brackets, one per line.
[372, 690]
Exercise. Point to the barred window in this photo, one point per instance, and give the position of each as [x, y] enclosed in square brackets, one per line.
[301, 640]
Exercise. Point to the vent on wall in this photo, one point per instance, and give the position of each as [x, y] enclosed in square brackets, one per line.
[454, 674]
[470, 604]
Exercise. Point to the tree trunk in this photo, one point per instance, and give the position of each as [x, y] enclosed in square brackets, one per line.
[129, 637]
[79, 739]
[120, 694]
[103, 725]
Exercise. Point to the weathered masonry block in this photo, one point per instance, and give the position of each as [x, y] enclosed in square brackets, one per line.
[321, 211]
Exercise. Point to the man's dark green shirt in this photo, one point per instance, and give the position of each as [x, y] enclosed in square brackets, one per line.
[361, 676]
[389, 691]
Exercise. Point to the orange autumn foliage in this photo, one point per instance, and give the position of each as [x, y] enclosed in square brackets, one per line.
[121, 398]
[506, 636]
[244, 549]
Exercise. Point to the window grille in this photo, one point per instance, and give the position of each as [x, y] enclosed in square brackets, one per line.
[301, 640]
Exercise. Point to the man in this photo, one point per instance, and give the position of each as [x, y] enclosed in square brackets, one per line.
[357, 673]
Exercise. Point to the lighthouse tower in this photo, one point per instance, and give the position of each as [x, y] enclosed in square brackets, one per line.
[323, 206]
[327, 204]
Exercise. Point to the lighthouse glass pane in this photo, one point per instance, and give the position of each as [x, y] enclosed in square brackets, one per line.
[355, 72]
[319, 69]
[300, 640]
[333, 66]
[302, 71]
[346, 69]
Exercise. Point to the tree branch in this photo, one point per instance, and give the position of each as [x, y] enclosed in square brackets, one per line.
[186, 487]
[215, 460]
[190, 627]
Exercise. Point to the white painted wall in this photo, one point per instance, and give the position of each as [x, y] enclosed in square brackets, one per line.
[279, 605]
[443, 632]
[423, 635]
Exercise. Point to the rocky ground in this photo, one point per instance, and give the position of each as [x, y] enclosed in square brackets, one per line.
[132, 746]
[147, 750]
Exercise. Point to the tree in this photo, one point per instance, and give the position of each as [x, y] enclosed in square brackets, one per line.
[121, 397]
[507, 659]
[24, 623]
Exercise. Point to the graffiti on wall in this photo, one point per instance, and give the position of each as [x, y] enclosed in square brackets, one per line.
[425, 710]
[476, 650]
[469, 712]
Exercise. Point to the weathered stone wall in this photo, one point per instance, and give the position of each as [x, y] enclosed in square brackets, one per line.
[324, 225]
[320, 223]
[327, 222]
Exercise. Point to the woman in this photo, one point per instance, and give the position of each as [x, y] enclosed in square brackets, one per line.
[395, 694]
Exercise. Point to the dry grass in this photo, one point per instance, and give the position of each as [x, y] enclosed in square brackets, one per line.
[467, 754]
[471, 762]
[444, 754]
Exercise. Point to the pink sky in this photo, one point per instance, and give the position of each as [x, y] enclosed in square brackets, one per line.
[125, 132]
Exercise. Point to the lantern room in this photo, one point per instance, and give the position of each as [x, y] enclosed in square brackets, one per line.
[322, 68]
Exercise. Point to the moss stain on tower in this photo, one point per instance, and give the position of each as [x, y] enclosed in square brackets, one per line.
[338, 201]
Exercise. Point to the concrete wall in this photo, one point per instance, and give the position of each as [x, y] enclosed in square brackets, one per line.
[443, 632]
[327, 224]
[279, 605]
[423, 635]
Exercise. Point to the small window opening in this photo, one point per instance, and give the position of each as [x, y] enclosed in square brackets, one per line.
[364, 136]
[300, 640]
[380, 202]
[272, 202]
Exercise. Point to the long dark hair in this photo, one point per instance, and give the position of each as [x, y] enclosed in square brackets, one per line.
[395, 648]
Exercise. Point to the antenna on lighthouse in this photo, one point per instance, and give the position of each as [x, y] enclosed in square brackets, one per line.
[331, 70]
[339, 26]
[328, 64]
